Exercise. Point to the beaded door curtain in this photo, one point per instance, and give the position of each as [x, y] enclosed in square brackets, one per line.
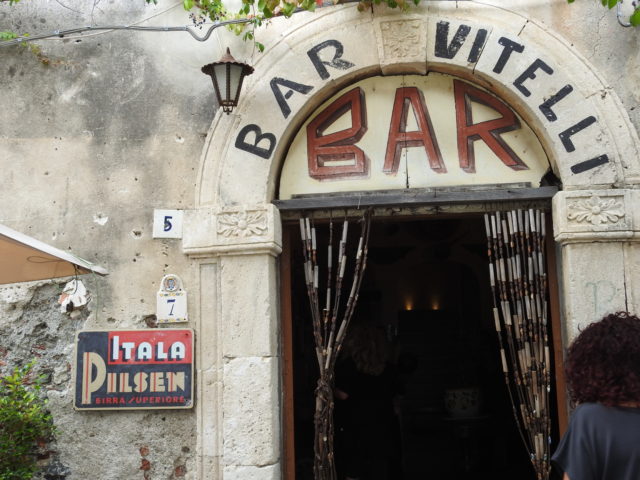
[331, 315]
[517, 270]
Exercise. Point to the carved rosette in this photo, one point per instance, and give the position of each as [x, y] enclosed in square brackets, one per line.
[596, 210]
[246, 223]
[401, 38]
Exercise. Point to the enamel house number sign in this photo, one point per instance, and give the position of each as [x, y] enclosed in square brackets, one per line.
[171, 304]
[167, 223]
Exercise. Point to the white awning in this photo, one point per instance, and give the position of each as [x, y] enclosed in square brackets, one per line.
[24, 259]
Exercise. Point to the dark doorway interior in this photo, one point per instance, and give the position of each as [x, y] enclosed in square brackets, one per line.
[427, 287]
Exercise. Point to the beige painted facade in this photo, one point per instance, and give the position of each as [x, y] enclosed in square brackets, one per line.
[77, 180]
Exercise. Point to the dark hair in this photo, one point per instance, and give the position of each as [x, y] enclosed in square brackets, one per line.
[603, 362]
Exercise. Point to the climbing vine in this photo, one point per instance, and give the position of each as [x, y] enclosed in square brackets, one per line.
[259, 10]
[8, 35]
[255, 12]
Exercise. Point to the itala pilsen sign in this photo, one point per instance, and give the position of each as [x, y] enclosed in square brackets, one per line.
[134, 369]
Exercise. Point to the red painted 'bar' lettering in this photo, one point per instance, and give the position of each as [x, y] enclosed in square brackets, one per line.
[399, 138]
[488, 131]
[323, 150]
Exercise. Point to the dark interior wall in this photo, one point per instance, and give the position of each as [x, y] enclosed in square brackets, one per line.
[426, 265]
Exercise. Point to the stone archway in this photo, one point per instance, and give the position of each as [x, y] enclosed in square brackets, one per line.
[576, 116]
[235, 234]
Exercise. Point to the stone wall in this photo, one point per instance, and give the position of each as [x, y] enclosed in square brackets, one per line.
[95, 133]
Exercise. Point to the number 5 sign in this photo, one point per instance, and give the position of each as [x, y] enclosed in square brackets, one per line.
[171, 305]
[167, 224]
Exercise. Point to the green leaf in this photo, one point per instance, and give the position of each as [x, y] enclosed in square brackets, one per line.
[7, 36]
[612, 3]
[260, 47]
[187, 4]
[23, 422]
[635, 17]
[288, 9]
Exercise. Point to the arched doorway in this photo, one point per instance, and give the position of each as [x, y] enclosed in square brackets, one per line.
[446, 147]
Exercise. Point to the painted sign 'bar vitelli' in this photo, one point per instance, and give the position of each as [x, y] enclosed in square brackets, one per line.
[448, 44]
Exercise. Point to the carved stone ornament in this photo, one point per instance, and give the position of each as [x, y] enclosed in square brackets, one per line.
[596, 210]
[401, 39]
[243, 224]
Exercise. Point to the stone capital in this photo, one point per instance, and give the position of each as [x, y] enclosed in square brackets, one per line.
[584, 216]
[232, 230]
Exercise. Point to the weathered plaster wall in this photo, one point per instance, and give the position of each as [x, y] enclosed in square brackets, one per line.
[92, 141]
[114, 126]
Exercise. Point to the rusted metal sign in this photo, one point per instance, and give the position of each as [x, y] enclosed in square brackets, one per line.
[134, 369]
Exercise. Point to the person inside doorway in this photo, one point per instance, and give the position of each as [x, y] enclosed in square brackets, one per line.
[367, 427]
[603, 375]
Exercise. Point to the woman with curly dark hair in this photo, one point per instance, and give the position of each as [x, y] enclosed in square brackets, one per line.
[603, 375]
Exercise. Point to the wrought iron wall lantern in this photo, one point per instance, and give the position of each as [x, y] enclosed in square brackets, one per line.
[227, 75]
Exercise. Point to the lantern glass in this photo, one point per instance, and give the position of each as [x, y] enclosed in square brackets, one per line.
[235, 80]
[227, 76]
[219, 78]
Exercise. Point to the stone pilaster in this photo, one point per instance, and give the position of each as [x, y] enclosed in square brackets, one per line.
[598, 232]
[238, 363]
